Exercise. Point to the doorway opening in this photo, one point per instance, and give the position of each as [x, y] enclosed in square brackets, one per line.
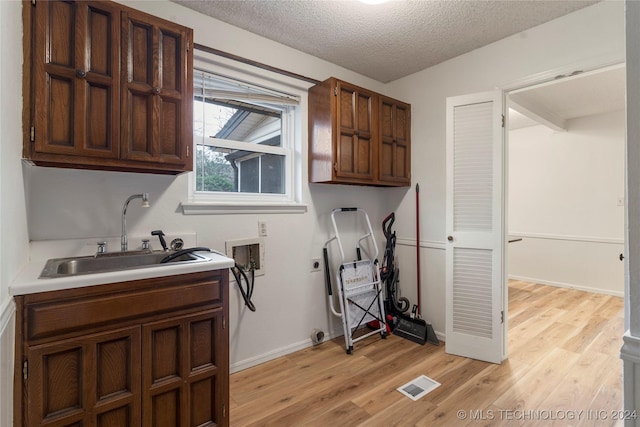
[566, 182]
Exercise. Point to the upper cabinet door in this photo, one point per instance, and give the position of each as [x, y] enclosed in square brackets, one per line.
[75, 71]
[356, 133]
[395, 141]
[157, 90]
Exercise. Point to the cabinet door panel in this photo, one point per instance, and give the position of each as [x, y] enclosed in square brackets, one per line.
[155, 65]
[57, 395]
[181, 373]
[354, 145]
[99, 105]
[115, 418]
[203, 397]
[170, 114]
[163, 373]
[170, 65]
[166, 409]
[100, 42]
[364, 157]
[364, 113]
[61, 34]
[88, 380]
[207, 379]
[347, 108]
[137, 139]
[61, 112]
[395, 148]
[165, 353]
[76, 79]
[139, 59]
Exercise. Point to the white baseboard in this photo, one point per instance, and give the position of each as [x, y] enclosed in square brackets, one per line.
[274, 354]
[283, 351]
[568, 286]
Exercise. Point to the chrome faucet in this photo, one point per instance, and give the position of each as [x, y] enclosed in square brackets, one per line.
[145, 204]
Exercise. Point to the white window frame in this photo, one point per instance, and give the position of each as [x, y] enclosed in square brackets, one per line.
[200, 202]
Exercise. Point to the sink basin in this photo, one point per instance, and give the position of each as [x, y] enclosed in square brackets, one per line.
[61, 267]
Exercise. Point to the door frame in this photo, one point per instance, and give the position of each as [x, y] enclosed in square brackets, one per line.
[592, 64]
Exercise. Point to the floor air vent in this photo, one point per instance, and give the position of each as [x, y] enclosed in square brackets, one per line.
[418, 387]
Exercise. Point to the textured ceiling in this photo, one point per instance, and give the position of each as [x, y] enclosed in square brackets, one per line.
[390, 40]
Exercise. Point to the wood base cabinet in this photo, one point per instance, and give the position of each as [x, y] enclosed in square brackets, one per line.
[148, 353]
[109, 87]
[357, 136]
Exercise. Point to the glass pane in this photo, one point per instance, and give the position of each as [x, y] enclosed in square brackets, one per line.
[220, 169]
[249, 177]
[214, 171]
[272, 174]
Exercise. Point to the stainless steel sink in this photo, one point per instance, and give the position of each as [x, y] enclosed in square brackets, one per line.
[102, 263]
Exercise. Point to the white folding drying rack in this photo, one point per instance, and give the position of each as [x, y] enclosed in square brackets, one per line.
[359, 286]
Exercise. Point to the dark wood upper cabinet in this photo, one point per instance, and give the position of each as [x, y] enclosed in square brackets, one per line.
[357, 136]
[110, 88]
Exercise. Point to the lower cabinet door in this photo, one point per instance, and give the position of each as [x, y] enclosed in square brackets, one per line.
[93, 380]
[185, 369]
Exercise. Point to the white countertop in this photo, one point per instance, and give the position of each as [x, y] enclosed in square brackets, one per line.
[28, 282]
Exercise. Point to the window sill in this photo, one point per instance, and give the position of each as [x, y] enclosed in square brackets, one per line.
[213, 208]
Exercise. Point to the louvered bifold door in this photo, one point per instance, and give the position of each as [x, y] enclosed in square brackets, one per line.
[475, 294]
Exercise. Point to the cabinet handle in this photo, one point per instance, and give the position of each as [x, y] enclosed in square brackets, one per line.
[156, 90]
[450, 238]
[81, 73]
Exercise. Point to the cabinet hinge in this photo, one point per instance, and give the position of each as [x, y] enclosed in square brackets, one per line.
[224, 322]
[33, 134]
[335, 91]
[188, 152]
[502, 316]
[335, 167]
[188, 45]
[503, 120]
[224, 411]
[25, 369]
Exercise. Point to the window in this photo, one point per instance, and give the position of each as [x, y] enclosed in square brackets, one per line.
[244, 141]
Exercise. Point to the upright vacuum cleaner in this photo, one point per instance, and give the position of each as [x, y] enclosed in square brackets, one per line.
[410, 327]
[389, 273]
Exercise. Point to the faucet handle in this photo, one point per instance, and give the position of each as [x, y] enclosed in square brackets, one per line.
[102, 247]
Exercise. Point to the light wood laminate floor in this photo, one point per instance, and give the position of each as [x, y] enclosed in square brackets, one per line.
[563, 369]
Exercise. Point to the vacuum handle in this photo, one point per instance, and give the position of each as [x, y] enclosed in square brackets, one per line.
[386, 229]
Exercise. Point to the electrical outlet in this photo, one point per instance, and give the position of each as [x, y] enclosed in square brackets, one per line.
[262, 228]
[315, 264]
